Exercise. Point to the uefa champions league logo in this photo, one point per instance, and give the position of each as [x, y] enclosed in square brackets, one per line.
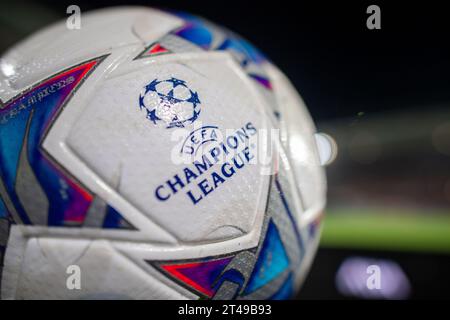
[170, 102]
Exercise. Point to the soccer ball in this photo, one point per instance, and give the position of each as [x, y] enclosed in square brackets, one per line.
[150, 155]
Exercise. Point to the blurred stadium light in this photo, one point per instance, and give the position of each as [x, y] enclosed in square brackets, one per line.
[389, 186]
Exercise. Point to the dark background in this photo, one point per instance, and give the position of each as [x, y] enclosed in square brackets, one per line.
[339, 66]
[383, 94]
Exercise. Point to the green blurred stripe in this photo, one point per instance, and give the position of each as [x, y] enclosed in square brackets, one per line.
[401, 230]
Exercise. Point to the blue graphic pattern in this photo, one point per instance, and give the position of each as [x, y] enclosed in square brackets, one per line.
[114, 220]
[26, 119]
[199, 31]
[272, 260]
[3, 211]
[286, 290]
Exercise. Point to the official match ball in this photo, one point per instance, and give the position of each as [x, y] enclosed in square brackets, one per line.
[153, 155]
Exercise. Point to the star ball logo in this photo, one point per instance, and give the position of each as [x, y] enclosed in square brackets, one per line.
[170, 102]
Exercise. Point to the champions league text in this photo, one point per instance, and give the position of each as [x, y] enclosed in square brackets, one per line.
[237, 154]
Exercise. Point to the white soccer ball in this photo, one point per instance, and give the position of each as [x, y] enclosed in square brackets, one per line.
[150, 155]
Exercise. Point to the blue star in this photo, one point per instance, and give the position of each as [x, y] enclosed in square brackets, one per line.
[151, 115]
[194, 99]
[195, 116]
[152, 86]
[141, 102]
[176, 82]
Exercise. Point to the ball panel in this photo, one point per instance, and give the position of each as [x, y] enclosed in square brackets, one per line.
[57, 46]
[104, 272]
[149, 159]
